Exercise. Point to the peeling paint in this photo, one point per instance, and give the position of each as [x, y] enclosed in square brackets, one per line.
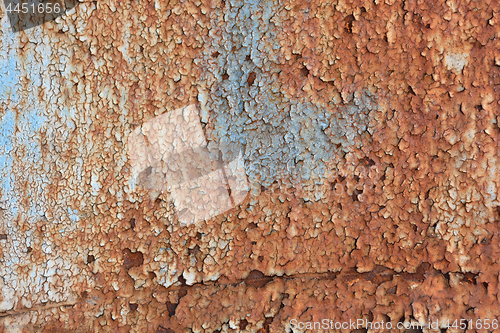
[369, 134]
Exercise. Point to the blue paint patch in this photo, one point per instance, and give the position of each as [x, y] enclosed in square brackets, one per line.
[9, 77]
[7, 126]
[20, 132]
[73, 215]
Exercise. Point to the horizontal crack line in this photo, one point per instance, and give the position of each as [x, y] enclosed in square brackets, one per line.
[377, 276]
[36, 308]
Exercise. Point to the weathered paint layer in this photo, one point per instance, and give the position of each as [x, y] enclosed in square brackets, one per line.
[370, 136]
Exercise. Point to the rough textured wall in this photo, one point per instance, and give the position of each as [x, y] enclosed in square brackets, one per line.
[370, 133]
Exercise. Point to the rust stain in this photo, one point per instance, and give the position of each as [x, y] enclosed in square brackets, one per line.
[370, 131]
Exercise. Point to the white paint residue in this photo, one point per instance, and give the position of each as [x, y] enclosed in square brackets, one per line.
[456, 61]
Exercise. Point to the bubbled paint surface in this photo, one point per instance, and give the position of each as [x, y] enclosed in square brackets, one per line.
[370, 137]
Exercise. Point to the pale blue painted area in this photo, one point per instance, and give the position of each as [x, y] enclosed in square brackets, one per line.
[30, 123]
[21, 133]
[35, 120]
[284, 136]
[18, 129]
[9, 76]
[73, 215]
[7, 126]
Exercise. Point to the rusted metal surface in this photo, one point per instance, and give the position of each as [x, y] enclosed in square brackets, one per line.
[370, 135]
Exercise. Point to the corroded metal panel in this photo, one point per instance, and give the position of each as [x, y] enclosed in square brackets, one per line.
[369, 133]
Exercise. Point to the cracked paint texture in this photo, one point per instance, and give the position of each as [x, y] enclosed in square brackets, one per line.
[369, 131]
